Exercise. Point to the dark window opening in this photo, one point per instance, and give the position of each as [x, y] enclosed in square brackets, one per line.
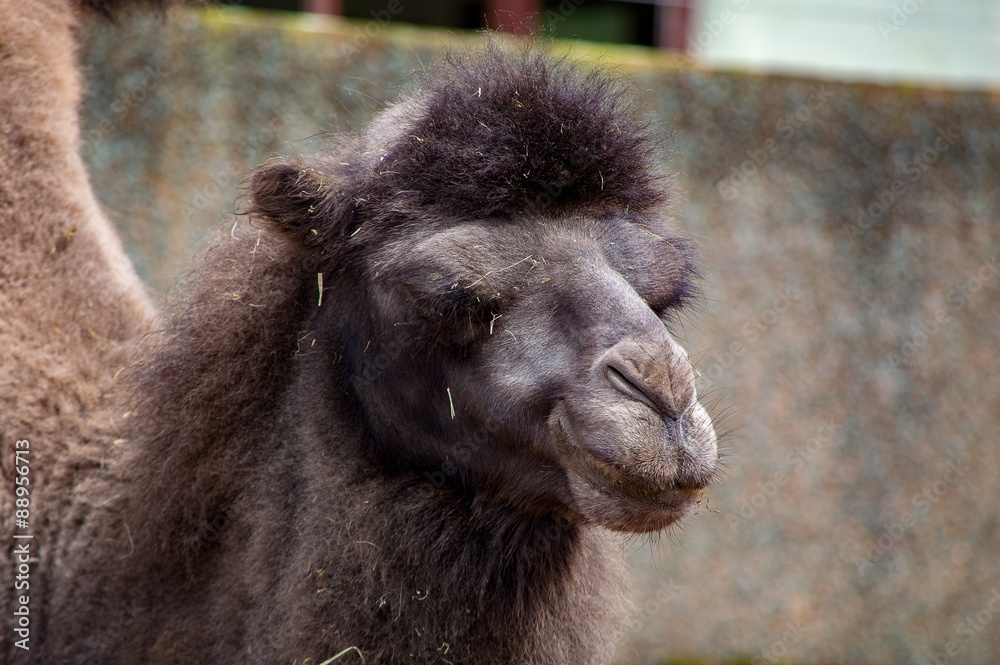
[647, 23]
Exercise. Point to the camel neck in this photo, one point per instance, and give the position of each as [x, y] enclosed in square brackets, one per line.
[40, 98]
[51, 225]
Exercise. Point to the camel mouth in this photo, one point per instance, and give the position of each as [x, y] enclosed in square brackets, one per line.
[619, 480]
[609, 494]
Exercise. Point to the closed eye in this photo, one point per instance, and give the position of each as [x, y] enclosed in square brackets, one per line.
[669, 304]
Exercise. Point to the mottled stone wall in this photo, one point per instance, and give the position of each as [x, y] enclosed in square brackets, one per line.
[850, 336]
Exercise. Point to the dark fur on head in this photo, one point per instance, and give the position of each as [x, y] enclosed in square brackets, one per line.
[493, 134]
[501, 136]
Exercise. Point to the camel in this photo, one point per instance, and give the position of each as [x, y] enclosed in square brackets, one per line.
[402, 411]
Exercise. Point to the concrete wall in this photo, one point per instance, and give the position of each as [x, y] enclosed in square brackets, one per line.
[851, 332]
[953, 42]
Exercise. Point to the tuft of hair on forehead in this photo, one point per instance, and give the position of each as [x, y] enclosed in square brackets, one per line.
[496, 131]
[503, 131]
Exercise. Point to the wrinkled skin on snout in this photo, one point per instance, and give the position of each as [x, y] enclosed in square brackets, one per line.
[548, 378]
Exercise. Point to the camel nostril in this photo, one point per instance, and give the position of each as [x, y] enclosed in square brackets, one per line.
[654, 397]
[653, 370]
[623, 384]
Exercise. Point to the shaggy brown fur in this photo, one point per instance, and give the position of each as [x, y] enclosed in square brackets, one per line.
[68, 296]
[420, 455]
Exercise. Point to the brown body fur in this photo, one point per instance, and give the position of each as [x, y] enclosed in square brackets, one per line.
[68, 296]
[423, 460]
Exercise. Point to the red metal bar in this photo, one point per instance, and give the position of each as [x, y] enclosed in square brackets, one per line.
[323, 6]
[517, 16]
[672, 24]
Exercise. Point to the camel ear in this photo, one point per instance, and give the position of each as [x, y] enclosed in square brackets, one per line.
[298, 199]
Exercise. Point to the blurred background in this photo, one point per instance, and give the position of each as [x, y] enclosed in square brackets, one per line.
[838, 164]
[957, 41]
